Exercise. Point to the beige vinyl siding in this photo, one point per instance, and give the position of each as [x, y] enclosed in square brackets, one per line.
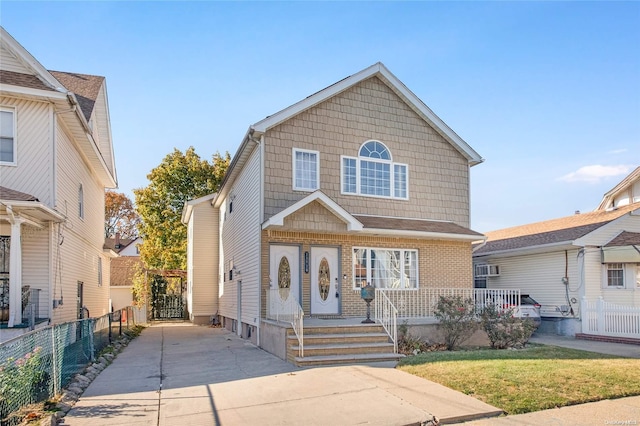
[33, 150]
[83, 237]
[10, 63]
[36, 264]
[438, 174]
[540, 276]
[240, 237]
[203, 260]
[101, 131]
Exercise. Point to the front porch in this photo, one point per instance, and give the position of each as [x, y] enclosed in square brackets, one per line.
[334, 339]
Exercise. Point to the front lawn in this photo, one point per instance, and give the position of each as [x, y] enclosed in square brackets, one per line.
[531, 379]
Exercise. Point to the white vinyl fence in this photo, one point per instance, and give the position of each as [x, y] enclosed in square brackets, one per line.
[608, 319]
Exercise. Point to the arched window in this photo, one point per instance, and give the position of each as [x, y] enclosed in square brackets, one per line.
[80, 201]
[373, 173]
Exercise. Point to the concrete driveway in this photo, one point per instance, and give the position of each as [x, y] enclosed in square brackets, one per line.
[179, 374]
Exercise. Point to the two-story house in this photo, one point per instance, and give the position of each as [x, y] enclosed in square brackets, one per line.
[358, 183]
[56, 159]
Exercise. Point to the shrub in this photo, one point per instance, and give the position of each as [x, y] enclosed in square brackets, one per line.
[503, 329]
[457, 319]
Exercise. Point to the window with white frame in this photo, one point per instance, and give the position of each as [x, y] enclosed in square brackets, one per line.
[615, 275]
[385, 268]
[80, 201]
[374, 174]
[99, 271]
[7, 136]
[306, 170]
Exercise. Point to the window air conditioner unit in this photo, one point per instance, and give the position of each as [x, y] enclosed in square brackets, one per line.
[487, 270]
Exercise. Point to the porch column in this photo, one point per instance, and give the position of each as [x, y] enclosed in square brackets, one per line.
[15, 270]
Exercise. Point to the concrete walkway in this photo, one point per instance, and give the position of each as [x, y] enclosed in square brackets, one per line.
[189, 375]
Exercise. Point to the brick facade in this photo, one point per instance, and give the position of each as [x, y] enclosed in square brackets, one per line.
[441, 264]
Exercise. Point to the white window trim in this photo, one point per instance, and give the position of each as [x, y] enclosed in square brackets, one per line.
[605, 277]
[401, 250]
[81, 201]
[15, 137]
[293, 169]
[373, 160]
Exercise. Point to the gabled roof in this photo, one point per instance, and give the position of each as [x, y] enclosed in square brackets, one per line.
[10, 194]
[550, 232]
[187, 209]
[623, 185]
[278, 219]
[376, 70]
[380, 71]
[86, 88]
[79, 90]
[378, 225]
[110, 244]
[625, 238]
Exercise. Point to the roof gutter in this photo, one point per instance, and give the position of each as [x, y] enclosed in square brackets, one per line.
[527, 249]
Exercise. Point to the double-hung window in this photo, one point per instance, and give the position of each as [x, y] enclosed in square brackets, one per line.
[306, 170]
[373, 173]
[615, 275]
[7, 136]
[385, 268]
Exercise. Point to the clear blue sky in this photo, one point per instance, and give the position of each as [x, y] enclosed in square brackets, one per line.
[547, 92]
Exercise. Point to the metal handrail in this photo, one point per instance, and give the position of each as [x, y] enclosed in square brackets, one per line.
[282, 306]
[387, 315]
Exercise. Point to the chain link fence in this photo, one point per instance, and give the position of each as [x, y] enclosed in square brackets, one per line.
[36, 366]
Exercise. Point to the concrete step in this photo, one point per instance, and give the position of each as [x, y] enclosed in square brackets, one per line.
[343, 329]
[323, 339]
[343, 349]
[309, 361]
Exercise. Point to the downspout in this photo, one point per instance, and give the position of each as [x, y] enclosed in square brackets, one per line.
[261, 219]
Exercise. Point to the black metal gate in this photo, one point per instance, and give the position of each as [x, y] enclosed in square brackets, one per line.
[167, 297]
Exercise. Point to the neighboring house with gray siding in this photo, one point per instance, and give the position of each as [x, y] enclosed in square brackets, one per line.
[56, 159]
[358, 183]
[566, 262]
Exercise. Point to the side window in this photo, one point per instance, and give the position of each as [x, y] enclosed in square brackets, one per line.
[99, 271]
[80, 201]
[615, 275]
[7, 136]
[306, 170]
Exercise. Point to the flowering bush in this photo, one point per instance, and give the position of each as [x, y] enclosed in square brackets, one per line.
[503, 329]
[21, 380]
[457, 319]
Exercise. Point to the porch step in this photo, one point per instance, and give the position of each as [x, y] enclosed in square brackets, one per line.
[361, 343]
[309, 361]
[344, 349]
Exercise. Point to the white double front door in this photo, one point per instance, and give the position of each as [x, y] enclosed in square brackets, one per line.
[325, 289]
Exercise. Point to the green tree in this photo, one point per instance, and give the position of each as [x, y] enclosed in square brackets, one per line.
[179, 178]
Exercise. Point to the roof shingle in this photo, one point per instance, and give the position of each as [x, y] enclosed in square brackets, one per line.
[22, 80]
[10, 194]
[551, 231]
[380, 222]
[86, 88]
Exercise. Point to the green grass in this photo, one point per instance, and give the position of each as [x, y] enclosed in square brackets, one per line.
[531, 379]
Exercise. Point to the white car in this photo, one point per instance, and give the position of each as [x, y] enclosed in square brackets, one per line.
[529, 308]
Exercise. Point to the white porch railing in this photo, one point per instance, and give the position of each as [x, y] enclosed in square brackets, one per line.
[421, 303]
[387, 315]
[608, 319]
[282, 306]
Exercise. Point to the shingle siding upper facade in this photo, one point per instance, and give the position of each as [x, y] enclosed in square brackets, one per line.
[438, 173]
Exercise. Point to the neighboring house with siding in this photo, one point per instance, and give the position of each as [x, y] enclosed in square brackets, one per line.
[123, 269]
[358, 183]
[56, 159]
[564, 262]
